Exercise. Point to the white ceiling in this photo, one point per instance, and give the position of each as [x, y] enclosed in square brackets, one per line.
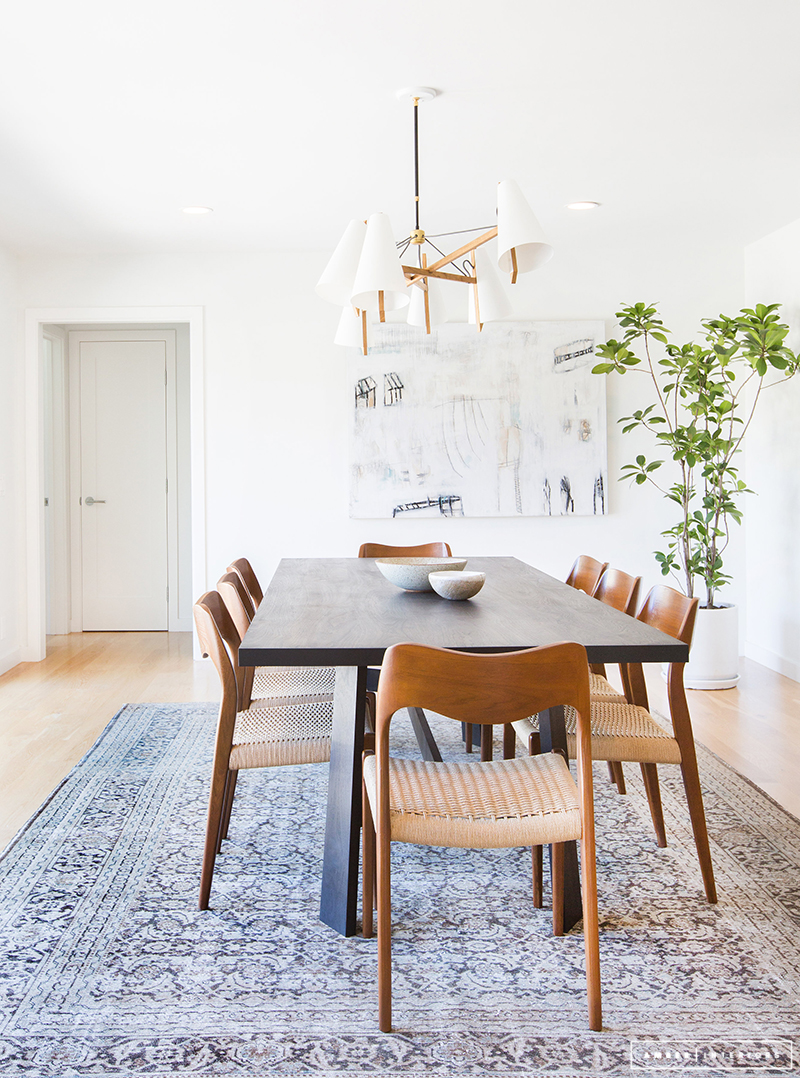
[680, 118]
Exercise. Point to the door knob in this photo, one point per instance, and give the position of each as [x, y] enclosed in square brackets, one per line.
[94, 501]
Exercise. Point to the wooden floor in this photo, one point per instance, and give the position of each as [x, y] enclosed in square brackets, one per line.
[51, 713]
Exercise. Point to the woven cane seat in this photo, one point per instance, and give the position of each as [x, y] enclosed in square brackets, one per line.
[289, 731]
[602, 689]
[284, 681]
[621, 732]
[505, 803]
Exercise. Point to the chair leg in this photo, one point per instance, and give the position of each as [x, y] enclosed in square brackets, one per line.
[468, 737]
[650, 776]
[367, 864]
[487, 746]
[509, 742]
[694, 796]
[222, 814]
[591, 935]
[384, 931]
[538, 874]
[617, 775]
[534, 743]
[230, 790]
[219, 780]
[557, 873]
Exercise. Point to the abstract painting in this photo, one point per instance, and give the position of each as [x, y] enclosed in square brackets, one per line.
[508, 422]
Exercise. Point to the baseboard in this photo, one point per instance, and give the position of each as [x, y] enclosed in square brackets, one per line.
[9, 661]
[772, 661]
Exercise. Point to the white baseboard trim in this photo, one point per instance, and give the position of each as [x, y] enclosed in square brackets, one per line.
[8, 662]
[772, 661]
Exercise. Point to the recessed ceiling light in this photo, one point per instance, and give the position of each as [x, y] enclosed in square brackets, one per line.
[197, 209]
[583, 205]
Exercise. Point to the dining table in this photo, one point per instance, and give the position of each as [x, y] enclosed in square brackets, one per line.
[342, 612]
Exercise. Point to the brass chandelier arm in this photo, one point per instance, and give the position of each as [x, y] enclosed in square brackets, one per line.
[414, 273]
[490, 235]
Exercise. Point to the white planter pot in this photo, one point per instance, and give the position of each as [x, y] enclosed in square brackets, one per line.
[714, 658]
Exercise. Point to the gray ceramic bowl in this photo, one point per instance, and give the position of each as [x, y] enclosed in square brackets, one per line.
[457, 585]
[412, 573]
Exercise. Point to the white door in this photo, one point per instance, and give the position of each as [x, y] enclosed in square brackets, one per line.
[123, 484]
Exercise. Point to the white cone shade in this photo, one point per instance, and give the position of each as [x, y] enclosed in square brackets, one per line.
[379, 269]
[349, 332]
[517, 227]
[493, 303]
[336, 282]
[437, 309]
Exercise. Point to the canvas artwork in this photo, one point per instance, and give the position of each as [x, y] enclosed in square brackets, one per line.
[508, 422]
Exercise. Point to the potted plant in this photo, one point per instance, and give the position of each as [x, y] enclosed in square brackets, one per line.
[705, 398]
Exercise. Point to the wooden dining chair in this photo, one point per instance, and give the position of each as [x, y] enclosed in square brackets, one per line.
[620, 590]
[585, 573]
[244, 570]
[271, 681]
[250, 733]
[505, 803]
[423, 550]
[626, 732]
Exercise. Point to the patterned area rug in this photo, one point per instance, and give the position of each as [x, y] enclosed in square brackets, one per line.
[108, 969]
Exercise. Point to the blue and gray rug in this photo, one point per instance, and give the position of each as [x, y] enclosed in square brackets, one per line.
[108, 969]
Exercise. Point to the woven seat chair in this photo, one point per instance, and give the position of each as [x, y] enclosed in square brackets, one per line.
[621, 591]
[271, 681]
[498, 804]
[625, 732]
[585, 573]
[260, 733]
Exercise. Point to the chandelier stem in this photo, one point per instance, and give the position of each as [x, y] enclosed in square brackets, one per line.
[416, 161]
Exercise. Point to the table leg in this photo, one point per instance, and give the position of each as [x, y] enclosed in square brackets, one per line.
[339, 901]
[419, 722]
[424, 735]
[554, 738]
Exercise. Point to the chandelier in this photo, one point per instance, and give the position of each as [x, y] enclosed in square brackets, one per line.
[369, 273]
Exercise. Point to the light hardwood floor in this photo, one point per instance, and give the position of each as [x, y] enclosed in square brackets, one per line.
[51, 713]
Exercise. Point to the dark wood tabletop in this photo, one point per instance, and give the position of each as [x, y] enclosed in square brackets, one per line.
[343, 612]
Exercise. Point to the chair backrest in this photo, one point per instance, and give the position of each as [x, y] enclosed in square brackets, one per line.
[670, 611]
[244, 569]
[485, 689]
[674, 614]
[618, 589]
[237, 599]
[220, 640]
[424, 550]
[585, 573]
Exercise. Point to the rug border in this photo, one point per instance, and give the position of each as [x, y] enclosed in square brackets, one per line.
[15, 839]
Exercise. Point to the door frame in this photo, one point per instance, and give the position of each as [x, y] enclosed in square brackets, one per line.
[34, 646]
[75, 337]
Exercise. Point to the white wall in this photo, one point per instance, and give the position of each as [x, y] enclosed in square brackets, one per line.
[773, 471]
[11, 405]
[278, 398]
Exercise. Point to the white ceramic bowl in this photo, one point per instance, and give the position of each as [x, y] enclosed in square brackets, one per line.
[457, 585]
[412, 573]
